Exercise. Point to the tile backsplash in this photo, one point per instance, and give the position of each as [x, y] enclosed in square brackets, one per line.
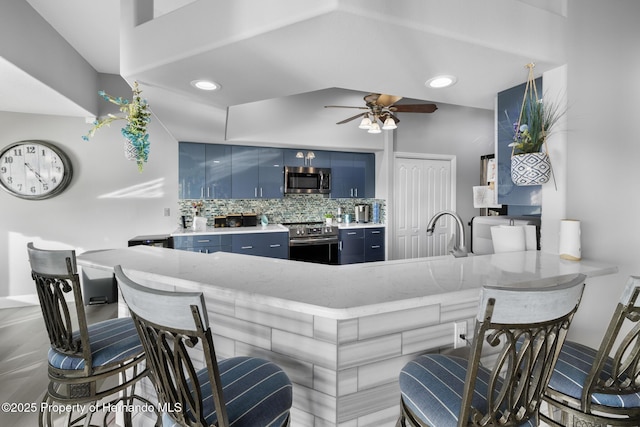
[291, 208]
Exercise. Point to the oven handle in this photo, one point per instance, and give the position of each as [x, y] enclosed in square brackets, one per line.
[300, 242]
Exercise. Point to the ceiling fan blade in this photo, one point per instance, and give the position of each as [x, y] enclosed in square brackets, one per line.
[414, 108]
[387, 100]
[344, 106]
[352, 118]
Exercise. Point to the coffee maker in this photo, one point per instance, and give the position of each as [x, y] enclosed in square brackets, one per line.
[362, 213]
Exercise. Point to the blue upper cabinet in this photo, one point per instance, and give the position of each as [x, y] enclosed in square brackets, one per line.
[321, 159]
[191, 170]
[352, 175]
[218, 171]
[256, 173]
[204, 171]
[271, 176]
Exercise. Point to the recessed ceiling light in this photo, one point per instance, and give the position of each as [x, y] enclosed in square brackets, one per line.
[205, 85]
[439, 82]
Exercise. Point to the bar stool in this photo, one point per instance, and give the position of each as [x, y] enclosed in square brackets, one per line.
[525, 328]
[597, 387]
[86, 362]
[239, 391]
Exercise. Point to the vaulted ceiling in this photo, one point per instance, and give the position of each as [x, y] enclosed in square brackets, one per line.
[261, 51]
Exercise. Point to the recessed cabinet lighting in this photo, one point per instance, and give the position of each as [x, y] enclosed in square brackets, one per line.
[442, 81]
[205, 85]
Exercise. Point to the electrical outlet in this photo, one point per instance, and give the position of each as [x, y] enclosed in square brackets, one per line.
[459, 329]
[167, 212]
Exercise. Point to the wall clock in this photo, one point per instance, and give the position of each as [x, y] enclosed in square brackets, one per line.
[34, 170]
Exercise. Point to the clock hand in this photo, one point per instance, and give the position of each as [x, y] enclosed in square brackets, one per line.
[34, 172]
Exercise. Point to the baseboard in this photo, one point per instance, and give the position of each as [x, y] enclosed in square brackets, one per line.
[19, 301]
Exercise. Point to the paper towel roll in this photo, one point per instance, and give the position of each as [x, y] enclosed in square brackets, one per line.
[530, 238]
[508, 238]
[569, 244]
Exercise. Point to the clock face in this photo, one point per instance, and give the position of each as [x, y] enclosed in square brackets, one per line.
[34, 170]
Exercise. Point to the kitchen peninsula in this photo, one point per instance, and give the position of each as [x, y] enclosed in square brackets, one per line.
[342, 333]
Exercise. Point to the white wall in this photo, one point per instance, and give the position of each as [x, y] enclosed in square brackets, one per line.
[603, 146]
[107, 203]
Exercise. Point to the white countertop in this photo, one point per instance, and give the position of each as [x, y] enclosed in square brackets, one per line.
[339, 292]
[271, 228]
[358, 225]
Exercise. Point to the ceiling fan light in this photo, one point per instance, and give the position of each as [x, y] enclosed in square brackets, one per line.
[375, 128]
[389, 124]
[365, 123]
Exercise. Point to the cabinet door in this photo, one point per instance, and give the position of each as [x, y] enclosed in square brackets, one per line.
[369, 160]
[191, 170]
[276, 245]
[273, 245]
[353, 175]
[374, 244]
[244, 172]
[342, 175]
[358, 175]
[271, 174]
[203, 243]
[351, 246]
[218, 171]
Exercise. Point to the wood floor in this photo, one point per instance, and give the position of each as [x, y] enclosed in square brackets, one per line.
[23, 359]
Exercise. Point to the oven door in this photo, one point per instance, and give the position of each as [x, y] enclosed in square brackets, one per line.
[319, 250]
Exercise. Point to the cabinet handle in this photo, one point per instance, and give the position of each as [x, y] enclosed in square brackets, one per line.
[375, 246]
[246, 247]
[275, 246]
[375, 232]
[202, 192]
[208, 192]
[260, 191]
[356, 192]
[203, 241]
[351, 193]
[351, 233]
[340, 245]
[255, 191]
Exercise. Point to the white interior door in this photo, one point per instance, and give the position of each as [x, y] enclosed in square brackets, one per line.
[422, 187]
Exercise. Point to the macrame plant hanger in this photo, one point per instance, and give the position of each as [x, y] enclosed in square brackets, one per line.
[531, 94]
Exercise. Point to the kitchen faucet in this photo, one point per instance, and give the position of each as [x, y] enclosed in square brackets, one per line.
[458, 250]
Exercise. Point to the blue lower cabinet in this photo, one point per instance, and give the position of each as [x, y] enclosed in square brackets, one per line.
[350, 246]
[361, 245]
[272, 245]
[374, 244]
[203, 243]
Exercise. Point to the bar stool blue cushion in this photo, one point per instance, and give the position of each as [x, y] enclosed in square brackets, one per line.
[112, 341]
[432, 386]
[570, 374]
[256, 392]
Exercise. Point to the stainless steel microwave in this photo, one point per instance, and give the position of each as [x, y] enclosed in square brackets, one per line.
[307, 180]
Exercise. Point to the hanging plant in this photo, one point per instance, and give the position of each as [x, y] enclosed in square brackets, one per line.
[136, 113]
[530, 165]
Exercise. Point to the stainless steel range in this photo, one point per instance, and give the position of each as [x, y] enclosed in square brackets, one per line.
[313, 242]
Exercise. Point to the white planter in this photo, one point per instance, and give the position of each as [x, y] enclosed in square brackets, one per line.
[530, 168]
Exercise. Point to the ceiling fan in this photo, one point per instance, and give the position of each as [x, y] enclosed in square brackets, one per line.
[381, 107]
